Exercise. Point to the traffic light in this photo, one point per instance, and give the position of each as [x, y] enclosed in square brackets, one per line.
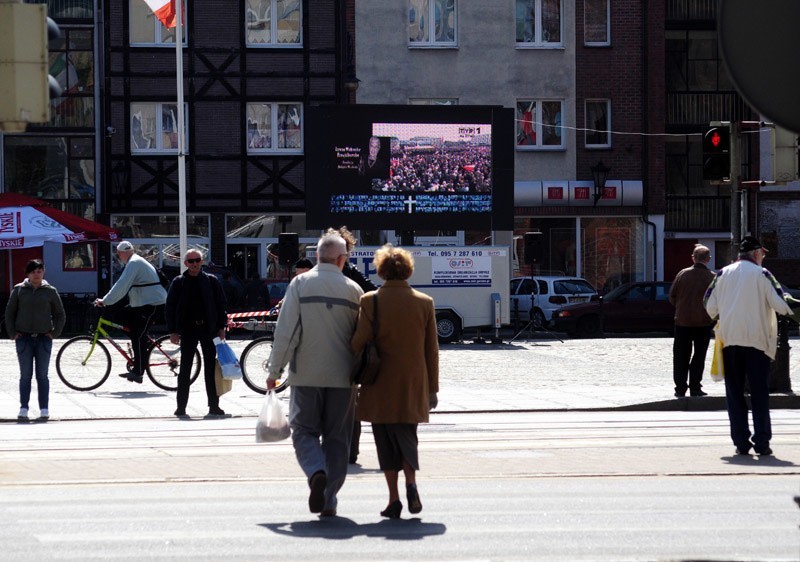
[25, 83]
[717, 153]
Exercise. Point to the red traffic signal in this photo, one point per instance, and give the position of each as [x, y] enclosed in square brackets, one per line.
[716, 153]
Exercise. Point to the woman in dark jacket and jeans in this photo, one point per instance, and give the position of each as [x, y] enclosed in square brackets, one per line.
[34, 316]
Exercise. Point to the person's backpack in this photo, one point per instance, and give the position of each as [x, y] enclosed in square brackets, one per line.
[163, 280]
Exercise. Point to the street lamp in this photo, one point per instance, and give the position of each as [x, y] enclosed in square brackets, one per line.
[599, 175]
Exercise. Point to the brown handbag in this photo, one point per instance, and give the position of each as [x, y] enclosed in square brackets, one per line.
[365, 370]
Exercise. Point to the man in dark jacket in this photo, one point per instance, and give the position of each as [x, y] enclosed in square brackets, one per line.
[692, 323]
[352, 273]
[195, 313]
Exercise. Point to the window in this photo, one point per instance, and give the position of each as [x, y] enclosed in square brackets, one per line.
[596, 23]
[538, 23]
[538, 124]
[274, 23]
[598, 123]
[275, 127]
[147, 30]
[79, 256]
[59, 169]
[72, 64]
[693, 62]
[441, 14]
[154, 127]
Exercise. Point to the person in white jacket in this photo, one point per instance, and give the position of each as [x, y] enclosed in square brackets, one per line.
[745, 297]
[139, 281]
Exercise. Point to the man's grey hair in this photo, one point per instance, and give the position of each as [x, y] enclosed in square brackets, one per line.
[751, 255]
[330, 247]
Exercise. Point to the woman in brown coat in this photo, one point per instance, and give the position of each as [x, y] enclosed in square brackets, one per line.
[408, 382]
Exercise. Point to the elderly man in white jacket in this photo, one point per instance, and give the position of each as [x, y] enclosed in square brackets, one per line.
[745, 297]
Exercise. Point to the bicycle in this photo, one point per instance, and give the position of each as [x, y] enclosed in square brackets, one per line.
[84, 363]
[255, 355]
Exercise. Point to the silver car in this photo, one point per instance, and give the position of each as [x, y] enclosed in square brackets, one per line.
[536, 298]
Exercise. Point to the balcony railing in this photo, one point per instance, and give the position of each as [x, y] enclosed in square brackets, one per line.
[694, 108]
[697, 10]
[703, 214]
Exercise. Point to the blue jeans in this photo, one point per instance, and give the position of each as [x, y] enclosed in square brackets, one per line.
[30, 350]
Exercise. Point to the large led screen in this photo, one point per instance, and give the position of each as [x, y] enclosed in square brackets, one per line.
[410, 167]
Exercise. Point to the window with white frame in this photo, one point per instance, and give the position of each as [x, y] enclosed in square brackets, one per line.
[538, 23]
[154, 127]
[432, 23]
[597, 23]
[275, 127]
[274, 23]
[538, 124]
[598, 123]
[146, 29]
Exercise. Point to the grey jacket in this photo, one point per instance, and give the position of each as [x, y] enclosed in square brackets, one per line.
[34, 311]
[138, 271]
[314, 327]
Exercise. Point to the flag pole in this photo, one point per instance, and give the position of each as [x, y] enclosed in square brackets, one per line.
[182, 234]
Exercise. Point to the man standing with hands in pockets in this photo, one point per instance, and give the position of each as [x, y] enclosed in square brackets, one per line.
[312, 336]
[692, 323]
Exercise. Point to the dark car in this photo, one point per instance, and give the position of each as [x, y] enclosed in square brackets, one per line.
[633, 307]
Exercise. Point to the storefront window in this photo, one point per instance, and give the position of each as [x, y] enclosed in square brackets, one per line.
[157, 226]
[605, 251]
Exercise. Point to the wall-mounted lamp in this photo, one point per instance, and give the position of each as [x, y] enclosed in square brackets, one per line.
[599, 175]
[349, 79]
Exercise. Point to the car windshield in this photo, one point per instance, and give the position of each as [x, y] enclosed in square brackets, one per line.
[572, 286]
[615, 293]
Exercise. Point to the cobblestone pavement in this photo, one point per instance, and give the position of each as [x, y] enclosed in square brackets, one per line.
[528, 374]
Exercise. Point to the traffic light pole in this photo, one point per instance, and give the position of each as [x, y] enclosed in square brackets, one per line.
[738, 194]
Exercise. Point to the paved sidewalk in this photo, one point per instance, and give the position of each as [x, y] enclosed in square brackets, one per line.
[527, 375]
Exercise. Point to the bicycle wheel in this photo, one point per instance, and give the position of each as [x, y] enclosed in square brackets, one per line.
[164, 362]
[254, 366]
[79, 366]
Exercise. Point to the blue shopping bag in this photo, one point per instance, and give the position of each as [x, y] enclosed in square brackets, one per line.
[228, 362]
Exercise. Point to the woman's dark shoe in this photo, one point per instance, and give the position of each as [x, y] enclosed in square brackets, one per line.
[393, 510]
[414, 503]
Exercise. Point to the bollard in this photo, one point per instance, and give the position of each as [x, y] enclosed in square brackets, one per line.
[779, 380]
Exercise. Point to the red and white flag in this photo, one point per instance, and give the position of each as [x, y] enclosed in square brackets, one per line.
[164, 10]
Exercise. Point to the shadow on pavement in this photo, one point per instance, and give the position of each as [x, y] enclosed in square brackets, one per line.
[748, 460]
[339, 528]
[132, 395]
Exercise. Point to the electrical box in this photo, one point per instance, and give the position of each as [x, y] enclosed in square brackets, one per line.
[24, 68]
[784, 155]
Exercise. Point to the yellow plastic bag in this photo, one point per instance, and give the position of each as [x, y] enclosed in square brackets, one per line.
[717, 364]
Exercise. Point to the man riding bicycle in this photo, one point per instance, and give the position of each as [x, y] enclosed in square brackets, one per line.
[146, 298]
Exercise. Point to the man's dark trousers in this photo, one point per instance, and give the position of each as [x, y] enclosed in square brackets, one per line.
[750, 364]
[189, 341]
[687, 337]
[139, 319]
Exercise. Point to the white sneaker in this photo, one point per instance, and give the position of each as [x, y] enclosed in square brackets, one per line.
[23, 414]
[44, 414]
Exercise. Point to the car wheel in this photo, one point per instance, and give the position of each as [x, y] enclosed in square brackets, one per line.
[538, 319]
[589, 326]
[448, 327]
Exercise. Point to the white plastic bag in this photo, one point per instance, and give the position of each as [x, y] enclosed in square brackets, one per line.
[272, 424]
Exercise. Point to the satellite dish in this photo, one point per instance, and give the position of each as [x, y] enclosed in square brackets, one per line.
[759, 42]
